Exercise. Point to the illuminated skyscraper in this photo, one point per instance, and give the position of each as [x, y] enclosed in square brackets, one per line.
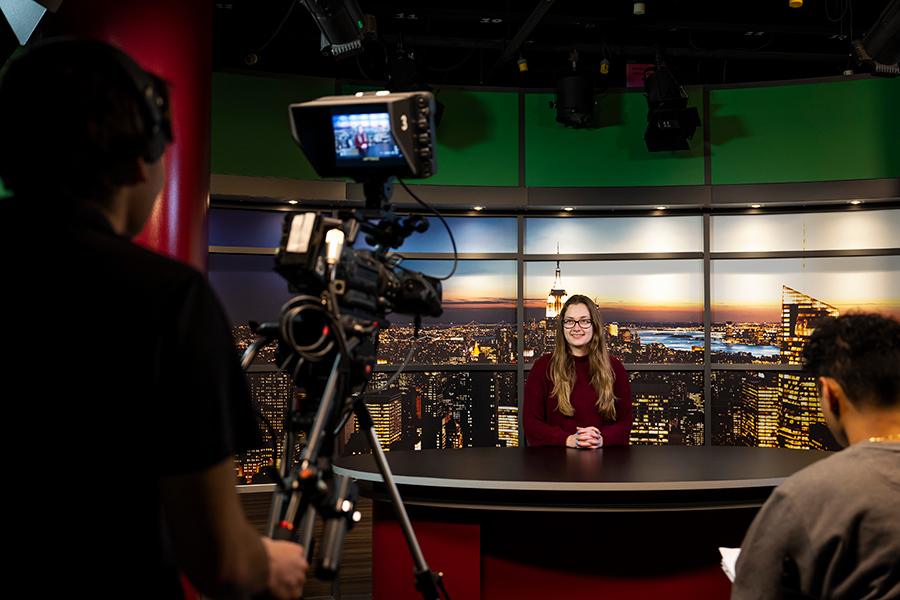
[508, 424]
[387, 416]
[799, 399]
[799, 315]
[756, 419]
[271, 393]
[557, 297]
[650, 405]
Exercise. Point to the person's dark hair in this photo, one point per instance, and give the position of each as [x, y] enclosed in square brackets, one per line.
[862, 352]
[72, 122]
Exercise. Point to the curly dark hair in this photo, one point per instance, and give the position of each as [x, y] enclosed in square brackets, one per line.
[71, 123]
[862, 352]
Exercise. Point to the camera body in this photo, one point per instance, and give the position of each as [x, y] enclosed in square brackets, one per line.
[368, 136]
[368, 284]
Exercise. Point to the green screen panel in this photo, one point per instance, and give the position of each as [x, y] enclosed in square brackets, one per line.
[809, 132]
[250, 131]
[611, 154]
[478, 139]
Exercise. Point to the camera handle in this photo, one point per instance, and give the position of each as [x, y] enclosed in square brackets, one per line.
[428, 583]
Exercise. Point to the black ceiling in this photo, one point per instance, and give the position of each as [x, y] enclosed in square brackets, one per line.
[463, 42]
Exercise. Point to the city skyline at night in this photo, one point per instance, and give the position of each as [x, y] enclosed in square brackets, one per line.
[653, 314]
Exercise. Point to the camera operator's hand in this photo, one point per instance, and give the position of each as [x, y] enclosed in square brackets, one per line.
[287, 569]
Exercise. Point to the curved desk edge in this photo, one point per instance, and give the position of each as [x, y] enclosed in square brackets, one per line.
[555, 486]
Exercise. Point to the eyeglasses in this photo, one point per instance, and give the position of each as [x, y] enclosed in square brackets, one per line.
[583, 323]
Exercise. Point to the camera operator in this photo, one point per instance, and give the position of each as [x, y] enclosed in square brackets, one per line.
[129, 400]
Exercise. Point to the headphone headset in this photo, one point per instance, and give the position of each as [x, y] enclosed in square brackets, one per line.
[154, 102]
[150, 92]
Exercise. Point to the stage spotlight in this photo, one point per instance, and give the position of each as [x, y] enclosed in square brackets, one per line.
[342, 25]
[670, 121]
[403, 76]
[575, 101]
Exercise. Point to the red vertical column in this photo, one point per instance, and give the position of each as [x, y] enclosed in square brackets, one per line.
[172, 38]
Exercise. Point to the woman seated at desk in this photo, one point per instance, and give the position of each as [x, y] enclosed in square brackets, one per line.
[578, 396]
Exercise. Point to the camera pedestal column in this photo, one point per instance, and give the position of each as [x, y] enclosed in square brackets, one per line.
[171, 38]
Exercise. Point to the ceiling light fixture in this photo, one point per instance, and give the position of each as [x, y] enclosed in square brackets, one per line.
[661, 207]
[523, 64]
[756, 206]
[855, 202]
[574, 97]
[342, 26]
[568, 208]
[670, 121]
[293, 201]
[478, 208]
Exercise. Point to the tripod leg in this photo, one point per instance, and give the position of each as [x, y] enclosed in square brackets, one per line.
[276, 510]
[426, 581]
[305, 533]
[283, 521]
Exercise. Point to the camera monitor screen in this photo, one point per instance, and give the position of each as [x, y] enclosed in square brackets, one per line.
[364, 139]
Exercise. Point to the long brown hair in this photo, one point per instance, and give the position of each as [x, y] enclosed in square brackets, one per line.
[562, 364]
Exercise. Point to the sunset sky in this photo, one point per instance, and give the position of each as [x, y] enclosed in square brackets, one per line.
[583, 235]
[640, 290]
[750, 290]
[667, 290]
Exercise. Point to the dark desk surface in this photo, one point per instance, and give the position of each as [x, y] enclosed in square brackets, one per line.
[632, 478]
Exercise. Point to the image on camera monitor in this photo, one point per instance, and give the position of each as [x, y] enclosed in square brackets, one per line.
[363, 138]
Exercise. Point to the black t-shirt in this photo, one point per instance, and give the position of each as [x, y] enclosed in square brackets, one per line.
[120, 369]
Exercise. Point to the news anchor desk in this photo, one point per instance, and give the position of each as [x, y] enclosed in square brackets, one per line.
[634, 522]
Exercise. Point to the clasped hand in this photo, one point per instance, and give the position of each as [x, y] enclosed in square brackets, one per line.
[587, 438]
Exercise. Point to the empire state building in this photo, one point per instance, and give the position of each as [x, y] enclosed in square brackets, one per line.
[558, 296]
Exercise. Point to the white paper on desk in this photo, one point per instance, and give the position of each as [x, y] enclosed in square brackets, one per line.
[729, 561]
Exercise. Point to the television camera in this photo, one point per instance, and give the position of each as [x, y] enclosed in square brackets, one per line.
[327, 334]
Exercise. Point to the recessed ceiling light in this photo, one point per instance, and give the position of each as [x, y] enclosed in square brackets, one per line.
[478, 207]
[568, 208]
[756, 206]
[854, 202]
[661, 207]
[293, 201]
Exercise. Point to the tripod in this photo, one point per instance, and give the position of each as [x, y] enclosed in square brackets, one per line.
[312, 487]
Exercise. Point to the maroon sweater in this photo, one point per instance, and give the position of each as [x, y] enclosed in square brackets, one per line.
[546, 426]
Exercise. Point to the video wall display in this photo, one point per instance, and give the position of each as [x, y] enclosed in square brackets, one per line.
[471, 234]
[478, 324]
[667, 408]
[838, 230]
[613, 235]
[271, 393]
[441, 410]
[768, 409]
[763, 308]
[652, 310]
[249, 291]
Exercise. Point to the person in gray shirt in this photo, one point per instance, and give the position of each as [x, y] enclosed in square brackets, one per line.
[832, 530]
